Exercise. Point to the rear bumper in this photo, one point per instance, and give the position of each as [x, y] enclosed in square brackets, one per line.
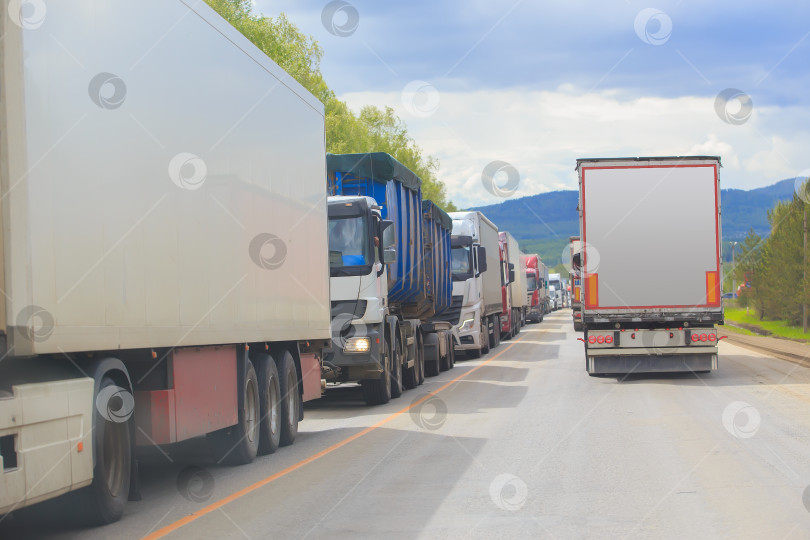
[642, 361]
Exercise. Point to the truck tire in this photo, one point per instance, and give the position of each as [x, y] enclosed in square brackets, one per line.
[239, 444]
[410, 376]
[432, 355]
[290, 398]
[519, 323]
[396, 368]
[444, 363]
[102, 502]
[420, 355]
[485, 337]
[269, 402]
[378, 391]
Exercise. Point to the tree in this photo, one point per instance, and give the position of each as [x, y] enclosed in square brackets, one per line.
[372, 131]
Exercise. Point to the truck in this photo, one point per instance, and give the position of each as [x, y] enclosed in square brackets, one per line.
[536, 288]
[651, 272]
[574, 276]
[389, 258]
[164, 249]
[556, 291]
[514, 290]
[477, 283]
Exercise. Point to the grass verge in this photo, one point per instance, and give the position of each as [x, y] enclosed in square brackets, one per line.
[751, 323]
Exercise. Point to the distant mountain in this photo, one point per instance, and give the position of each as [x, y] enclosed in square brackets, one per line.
[542, 223]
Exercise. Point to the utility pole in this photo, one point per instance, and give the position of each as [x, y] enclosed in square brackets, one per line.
[804, 266]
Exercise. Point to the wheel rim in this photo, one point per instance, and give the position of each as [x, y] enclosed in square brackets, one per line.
[291, 399]
[251, 409]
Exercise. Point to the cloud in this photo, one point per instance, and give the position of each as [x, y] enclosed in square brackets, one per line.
[542, 133]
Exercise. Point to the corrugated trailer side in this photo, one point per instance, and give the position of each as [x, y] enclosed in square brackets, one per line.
[163, 240]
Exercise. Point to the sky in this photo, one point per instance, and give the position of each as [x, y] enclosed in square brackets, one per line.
[537, 84]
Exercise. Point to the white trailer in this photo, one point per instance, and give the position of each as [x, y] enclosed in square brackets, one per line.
[164, 246]
[651, 273]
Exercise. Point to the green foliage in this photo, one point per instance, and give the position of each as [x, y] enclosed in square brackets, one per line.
[373, 130]
[779, 288]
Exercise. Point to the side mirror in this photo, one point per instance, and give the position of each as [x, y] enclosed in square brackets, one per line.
[387, 231]
[576, 261]
[482, 259]
[511, 273]
[389, 256]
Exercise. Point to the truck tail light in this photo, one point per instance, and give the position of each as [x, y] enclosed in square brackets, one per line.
[592, 290]
[592, 339]
[600, 339]
[712, 288]
[712, 337]
[608, 339]
[695, 337]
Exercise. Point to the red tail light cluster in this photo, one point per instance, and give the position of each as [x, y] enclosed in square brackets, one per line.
[704, 337]
[600, 339]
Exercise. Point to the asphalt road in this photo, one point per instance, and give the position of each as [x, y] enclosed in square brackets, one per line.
[519, 444]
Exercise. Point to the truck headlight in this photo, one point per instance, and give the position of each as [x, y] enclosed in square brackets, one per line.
[357, 345]
[466, 325]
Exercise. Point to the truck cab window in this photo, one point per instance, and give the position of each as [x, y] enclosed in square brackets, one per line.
[348, 242]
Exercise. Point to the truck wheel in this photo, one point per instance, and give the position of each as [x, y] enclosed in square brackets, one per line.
[444, 363]
[269, 402]
[410, 376]
[378, 391]
[420, 355]
[239, 444]
[396, 369]
[290, 398]
[485, 337]
[432, 355]
[103, 501]
[519, 323]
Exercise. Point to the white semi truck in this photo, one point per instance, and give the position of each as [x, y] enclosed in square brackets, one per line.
[650, 263]
[477, 283]
[164, 247]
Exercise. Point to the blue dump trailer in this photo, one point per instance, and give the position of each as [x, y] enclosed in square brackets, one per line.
[389, 262]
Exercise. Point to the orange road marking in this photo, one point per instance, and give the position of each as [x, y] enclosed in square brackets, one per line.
[160, 533]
